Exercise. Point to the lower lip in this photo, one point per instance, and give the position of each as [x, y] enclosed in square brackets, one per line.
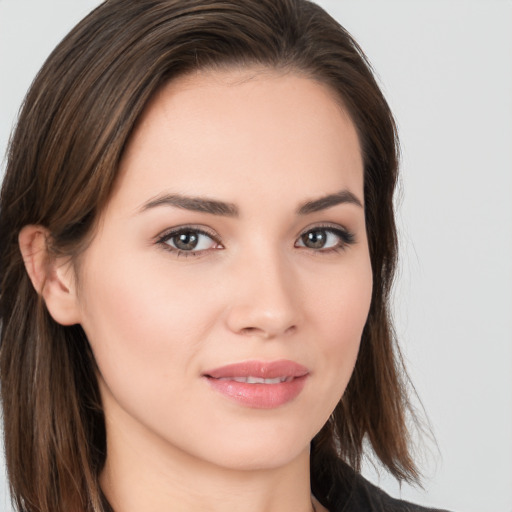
[259, 396]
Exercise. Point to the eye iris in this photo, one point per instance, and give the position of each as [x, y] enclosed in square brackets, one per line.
[314, 239]
[186, 241]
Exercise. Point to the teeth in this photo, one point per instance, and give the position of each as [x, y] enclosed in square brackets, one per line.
[257, 380]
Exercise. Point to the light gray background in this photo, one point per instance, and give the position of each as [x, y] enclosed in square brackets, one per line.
[446, 68]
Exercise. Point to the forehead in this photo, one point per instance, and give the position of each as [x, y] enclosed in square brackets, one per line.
[242, 131]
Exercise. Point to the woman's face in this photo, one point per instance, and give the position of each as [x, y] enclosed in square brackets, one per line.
[226, 289]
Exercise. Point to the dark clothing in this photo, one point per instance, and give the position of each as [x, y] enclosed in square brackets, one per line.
[343, 490]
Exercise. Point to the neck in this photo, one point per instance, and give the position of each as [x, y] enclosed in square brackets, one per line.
[151, 476]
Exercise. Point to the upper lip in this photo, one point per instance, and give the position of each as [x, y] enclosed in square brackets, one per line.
[261, 369]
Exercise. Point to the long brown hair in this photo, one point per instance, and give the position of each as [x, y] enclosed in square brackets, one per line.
[62, 164]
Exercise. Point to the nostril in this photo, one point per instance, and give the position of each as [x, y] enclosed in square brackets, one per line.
[257, 331]
[291, 329]
[253, 330]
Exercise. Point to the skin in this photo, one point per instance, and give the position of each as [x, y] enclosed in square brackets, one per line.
[265, 142]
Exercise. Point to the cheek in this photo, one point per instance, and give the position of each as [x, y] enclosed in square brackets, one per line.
[342, 302]
[342, 312]
[140, 320]
[145, 328]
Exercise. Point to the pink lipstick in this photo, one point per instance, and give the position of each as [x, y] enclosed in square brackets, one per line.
[259, 384]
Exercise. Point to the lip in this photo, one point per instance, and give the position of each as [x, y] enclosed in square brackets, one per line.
[259, 396]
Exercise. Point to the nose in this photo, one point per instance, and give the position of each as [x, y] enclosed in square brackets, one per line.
[265, 300]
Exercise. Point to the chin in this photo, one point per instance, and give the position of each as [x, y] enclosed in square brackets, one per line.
[257, 449]
[263, 459]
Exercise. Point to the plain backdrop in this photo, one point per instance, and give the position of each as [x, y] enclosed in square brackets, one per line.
[446, 69]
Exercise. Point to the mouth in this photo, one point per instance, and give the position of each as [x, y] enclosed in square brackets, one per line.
[259, 384]
[258, 380]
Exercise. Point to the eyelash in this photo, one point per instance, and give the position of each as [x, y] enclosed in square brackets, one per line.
[346, 238]
[165, 237]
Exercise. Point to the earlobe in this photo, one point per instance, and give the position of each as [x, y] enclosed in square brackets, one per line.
[52, 277]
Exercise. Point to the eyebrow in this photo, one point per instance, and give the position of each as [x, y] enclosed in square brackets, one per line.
[322, 203]
[221, 208]
[196, 204]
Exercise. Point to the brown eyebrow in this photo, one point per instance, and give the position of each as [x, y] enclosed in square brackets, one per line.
[196, 204]
[215, 207]
[344, 196]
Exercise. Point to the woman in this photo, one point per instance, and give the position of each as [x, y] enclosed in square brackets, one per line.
[197, 247]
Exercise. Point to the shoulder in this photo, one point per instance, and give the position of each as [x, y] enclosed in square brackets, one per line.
[344, 490]
[366, 497]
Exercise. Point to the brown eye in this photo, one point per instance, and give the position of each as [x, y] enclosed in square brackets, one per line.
[189, 240]
[314, 239]
[323, 239]
[186, 241]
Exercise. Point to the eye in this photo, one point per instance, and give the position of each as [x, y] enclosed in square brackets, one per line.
[325, 239]
[188, 240]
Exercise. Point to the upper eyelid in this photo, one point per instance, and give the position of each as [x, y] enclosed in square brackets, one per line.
[169, 232]
[332, 229]
[213, 234]
[327, 226]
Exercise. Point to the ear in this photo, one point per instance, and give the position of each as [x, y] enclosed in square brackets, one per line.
[53, 278]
